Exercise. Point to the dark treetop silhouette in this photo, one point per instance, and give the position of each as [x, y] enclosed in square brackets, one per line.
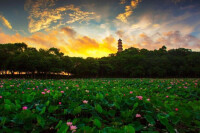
[21, 59]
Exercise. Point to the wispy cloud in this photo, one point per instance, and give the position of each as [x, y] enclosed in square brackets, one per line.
[79, 15]
[40, 14]
[5, 22]
[128, 10]
[43, 14]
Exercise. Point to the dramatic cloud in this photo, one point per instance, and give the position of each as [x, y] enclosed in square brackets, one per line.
[172, 39]
[44, 13]
[152, 24]
[128, 10]
[82, 46]
[92, 28]
[5, 22]
[79, 15]
[69, 31]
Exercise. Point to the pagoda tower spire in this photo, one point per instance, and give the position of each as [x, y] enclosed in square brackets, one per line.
[120, 47]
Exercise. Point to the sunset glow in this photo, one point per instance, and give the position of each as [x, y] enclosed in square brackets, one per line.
[91, 28]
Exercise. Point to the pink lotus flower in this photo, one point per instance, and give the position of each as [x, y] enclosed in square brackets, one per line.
[139, 97]
[25, 108]
[69, 123]
[48, 91]
[45, 89]
[130, 92]
[33, 88]
[73, 127]
[138, 115]
[176, 109]
[43, 93]
[148, 99]
[62, 91]
[85, 101]
[59, 103]
[1, 97]
[167, 96]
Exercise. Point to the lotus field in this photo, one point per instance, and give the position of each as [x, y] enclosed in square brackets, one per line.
[100, 105]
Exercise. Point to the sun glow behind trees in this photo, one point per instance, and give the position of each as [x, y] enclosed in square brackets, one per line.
[132, 62]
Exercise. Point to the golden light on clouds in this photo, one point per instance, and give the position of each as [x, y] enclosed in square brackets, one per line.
[79, 15]
[5, 22]
[75, 45]
[91, 29]
[69, 31]
[128, 10]
[43, 14]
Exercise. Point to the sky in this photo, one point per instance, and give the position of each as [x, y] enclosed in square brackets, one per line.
[91, 28]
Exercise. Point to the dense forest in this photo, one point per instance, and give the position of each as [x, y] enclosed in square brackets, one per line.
[22, 61]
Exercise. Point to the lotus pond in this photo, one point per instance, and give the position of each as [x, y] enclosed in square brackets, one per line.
[100, 105]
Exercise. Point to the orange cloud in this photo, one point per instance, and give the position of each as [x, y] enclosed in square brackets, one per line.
[123, 1]
[79, 15]
[43, 13]
[128, 10]
[82, 46]
[38, 40]
[87, 47]
[5, 22]
[143, 35]
[123, 16]
[171, 39]
[41, 17]
[110, 43]
[69, 31]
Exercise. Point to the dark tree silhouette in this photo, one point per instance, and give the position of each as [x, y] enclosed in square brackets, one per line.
[133, 62]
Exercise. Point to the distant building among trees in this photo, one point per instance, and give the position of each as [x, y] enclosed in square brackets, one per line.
[120, 47]
[20, 61]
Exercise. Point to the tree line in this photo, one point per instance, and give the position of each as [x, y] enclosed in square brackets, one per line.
[132, 62]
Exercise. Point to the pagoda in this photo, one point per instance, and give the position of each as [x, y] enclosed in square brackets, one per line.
[120, 47]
